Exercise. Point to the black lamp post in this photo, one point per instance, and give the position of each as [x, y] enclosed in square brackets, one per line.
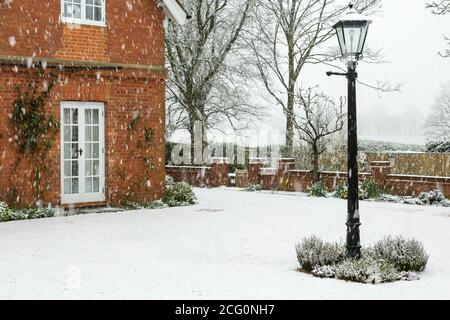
[352, 31]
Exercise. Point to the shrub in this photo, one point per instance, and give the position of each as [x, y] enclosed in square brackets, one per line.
[432, 197]
[367, 270]
[136, 206]
[371, 189]
[8, 214]
[312, 252]
[179, 194]
[4, 212]
[254, 187]
[366, 190]
[412, 201]
[323, 272]
[169, 181]
[38, 213]
[317, 190]
[391, 259]
[404, 255]
[438, 146]
[341, 191]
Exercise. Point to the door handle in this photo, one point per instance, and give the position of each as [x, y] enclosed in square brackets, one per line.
[79, 151]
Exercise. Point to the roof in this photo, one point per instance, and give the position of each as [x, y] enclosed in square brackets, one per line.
[174, 10]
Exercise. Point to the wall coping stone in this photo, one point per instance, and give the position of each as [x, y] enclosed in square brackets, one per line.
[268, 171]
[187, 167]
[417, 177]
[257, 160]
[219, 160]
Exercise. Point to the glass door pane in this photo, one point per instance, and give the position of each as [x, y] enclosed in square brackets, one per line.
[71, 151]
[92, 147]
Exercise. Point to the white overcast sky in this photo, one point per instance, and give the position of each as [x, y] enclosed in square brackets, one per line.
[410, 37]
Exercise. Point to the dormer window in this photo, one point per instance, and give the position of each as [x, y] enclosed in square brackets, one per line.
[89, 12]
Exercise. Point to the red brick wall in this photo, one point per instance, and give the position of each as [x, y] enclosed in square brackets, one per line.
[125, 94]
[84, 43]
[195, 176]
[300, 181]
[213, 177]
[33, 28]
[404, 185]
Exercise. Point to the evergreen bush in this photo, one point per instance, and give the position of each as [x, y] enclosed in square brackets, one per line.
[317, 190]
[391, 259]
[404, 254]
[8, 214]
[312, 252]
[179, 194]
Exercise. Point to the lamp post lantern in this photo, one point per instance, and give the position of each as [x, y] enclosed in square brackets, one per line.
[351, 31]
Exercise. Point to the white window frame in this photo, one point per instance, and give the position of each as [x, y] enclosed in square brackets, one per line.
[83, 19]
[82, 196]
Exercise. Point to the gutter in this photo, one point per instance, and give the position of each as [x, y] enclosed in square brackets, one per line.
[66, 63]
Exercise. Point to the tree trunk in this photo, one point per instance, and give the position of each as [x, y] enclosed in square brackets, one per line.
[289, 150]
[315, 163]
[192, 134]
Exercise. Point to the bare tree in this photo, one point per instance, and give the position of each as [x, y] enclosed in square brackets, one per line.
[205, 77]
[441, 7]
[318, 120]
[288, 35]
[438, 122]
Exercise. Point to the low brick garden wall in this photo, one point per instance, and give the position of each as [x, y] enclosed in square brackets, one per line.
[213, 176]
[287, 178]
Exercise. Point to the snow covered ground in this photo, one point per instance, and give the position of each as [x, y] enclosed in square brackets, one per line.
[233, 245]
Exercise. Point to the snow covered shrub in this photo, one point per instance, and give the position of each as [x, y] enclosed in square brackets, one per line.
[155, 205]
[37, 213]
[371, 189]
[137, 206]
[389, 198]
[7, 214]
[169, 181]
[323, 272]
[179, 194]
[392, 259]
[317, 190]
[403, 254]
[254, 187]
[438, 146]
[432, 197]
[367, 190]
[341, 191]
[367, 270]
[312, 252]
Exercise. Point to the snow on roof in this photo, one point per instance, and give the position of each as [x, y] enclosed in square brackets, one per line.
[174, 10]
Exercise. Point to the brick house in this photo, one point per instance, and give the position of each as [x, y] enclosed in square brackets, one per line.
[98, 66]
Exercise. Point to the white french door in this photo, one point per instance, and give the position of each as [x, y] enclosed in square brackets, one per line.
[82, 152]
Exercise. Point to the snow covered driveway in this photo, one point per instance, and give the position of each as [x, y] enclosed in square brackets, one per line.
[233, 245]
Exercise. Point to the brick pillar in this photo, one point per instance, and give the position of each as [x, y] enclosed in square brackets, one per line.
[219, 173]
[285, 165]
[254, 168]
[380, 170]
[241, 178]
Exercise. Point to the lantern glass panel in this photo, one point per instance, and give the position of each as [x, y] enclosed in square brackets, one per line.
[352, 34]
[352, 37]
